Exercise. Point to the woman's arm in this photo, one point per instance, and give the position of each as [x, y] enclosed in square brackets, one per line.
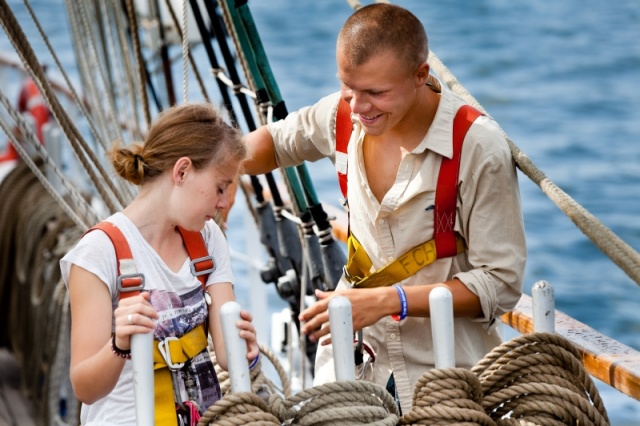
[95, 369]
[220, 294]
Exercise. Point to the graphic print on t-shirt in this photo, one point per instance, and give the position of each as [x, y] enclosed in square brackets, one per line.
[179, 314]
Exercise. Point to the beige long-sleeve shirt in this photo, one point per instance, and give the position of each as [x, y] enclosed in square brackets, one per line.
[489, 218]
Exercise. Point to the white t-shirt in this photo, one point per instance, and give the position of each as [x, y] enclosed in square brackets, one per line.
[178, 298]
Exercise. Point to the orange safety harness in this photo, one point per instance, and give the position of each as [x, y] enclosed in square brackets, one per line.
[170, 354]
[445, 243]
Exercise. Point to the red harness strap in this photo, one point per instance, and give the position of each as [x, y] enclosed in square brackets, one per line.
[131, 284]
[343, 134]
[447, 188]
[201, 263]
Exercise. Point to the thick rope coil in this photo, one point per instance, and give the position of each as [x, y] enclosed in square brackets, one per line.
[260, 383]
[447, 396]
[244, 408]
[345, 403]
[34, 234]
[539, 378]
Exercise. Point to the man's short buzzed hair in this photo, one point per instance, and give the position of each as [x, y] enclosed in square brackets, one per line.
[381, 27]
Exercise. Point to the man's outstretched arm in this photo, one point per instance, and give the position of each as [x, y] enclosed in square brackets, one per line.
[262, 156]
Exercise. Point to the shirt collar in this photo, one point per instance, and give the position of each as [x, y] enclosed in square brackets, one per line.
[440, 134]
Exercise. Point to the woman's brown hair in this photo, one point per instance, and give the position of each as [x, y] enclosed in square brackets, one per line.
[195, 130]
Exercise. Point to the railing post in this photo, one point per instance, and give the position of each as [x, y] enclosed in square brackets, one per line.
[441, 309]
[543, 308]
[341, 322]
[235, 348]
[143, 385]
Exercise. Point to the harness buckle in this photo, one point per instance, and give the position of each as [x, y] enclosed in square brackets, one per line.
[344, 203]
[165, 351]
[353, 280]
[197, 273]
[123, 285]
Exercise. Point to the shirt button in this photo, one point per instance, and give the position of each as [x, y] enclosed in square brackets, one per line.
[392, 336]
[381, 222]
[391, 258]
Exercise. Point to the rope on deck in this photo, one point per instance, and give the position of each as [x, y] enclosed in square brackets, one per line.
[532, 380]
[447, 396]
[539, 378]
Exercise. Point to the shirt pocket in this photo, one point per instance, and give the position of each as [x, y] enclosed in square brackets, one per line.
[415, 220]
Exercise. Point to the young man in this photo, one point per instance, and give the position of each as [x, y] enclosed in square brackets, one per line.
[402, 132]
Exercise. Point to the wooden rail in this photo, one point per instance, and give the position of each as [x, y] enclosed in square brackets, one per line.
[607, 359]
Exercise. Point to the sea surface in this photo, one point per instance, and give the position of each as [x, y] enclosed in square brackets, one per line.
[561, 78]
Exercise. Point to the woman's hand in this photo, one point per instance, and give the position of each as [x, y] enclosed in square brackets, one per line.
[134, 315]
[248, 333]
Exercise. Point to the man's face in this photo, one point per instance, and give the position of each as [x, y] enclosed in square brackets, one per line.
[381, 91]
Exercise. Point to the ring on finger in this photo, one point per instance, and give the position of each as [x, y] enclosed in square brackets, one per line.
[130, 319]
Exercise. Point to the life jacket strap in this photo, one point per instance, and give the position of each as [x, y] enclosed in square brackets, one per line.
[201, 262]
[171, 354]
[447, 189]
[358, 268]
[129, 282]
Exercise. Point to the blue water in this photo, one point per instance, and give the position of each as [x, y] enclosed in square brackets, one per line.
[563, 81]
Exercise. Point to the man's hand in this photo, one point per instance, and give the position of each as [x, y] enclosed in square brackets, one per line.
[368, 306]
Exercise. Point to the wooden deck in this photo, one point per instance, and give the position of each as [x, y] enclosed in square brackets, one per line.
[14, 406]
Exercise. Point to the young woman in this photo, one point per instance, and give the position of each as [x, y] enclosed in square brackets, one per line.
[183, 170]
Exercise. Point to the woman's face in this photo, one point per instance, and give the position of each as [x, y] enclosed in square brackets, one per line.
[207, 192]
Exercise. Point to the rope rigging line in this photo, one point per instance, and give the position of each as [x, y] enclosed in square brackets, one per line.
[133, 33]
[185, 53]
[194, 69]
[131, 76]
[539, 376]
[229, 60]
[447, 396]
[90, 69]
[85, 48]
[121, 92]
[27, 55]
[91, 53]
[79, 102]
[88, 214]
[164, 55]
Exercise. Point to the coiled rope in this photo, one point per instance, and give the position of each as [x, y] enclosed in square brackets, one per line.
[34, 235]
[344, 402]
[259, 382]
[447, 396]
[532, 380]
[539, 378]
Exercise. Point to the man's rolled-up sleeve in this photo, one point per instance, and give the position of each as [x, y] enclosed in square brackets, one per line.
[492, 225]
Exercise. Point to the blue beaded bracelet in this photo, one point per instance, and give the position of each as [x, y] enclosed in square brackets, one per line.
[254, 362]
[403, 304]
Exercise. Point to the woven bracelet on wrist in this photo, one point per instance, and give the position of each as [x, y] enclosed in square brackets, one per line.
[122, 353]
[404, 306]
[254, 362]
